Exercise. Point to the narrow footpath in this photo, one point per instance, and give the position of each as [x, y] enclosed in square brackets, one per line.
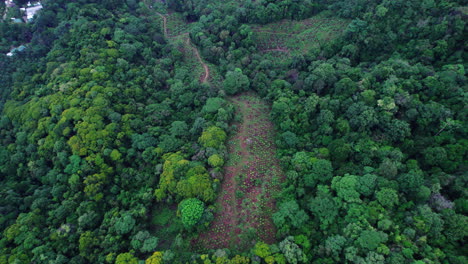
[206, 75]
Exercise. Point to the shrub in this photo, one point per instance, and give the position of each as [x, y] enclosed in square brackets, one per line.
[191, 211]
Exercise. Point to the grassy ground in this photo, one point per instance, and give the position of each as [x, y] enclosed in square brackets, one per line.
[176, 30]
[165, 225]
[287, 38]
[252, 176]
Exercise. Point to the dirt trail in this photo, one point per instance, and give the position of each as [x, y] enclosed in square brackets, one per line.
[164, 18]
[252, 176]
[277, 49]
[206, 75]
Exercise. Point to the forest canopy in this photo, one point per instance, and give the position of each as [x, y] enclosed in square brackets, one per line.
[122, 124]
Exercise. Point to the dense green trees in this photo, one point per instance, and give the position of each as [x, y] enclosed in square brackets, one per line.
[360, 138]
[235, 82]
[87, 132]
[105, 131]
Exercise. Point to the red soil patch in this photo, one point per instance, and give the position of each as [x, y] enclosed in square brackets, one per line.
[246, 202]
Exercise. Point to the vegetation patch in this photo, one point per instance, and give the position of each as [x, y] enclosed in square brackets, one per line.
[252, 176]
[287, 38]
[191, 211]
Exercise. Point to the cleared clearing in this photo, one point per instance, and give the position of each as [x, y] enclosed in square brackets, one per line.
[252, 177]
[287, 38]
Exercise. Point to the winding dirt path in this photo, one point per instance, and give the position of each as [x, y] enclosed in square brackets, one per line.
[206, 75]
[164, 18]
[252, 176]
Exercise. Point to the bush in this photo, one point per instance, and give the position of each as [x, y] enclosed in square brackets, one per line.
[215, 160]
[191, 211]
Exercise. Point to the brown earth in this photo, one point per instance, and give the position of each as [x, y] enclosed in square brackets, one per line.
[252, 177]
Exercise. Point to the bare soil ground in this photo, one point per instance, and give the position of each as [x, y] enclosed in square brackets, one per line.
[252, 177]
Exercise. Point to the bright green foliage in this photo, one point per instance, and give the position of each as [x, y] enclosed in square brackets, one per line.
[221, 257]
[115, 155]
[178, 179]
[215, 160]
[197, 183]
[191, 211]
[303, 241]
[345, 187]
[262, 250]
[86, 243]
[387, 197]
[126, 258]
[156, 258]
[279, 258]
[174, 164]
[212, 137]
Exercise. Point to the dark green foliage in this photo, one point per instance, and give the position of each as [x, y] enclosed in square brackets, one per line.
[235, 82]
[289, 215]
[322, 170]
[370, 239]
[387, 123]
[89, 111]
[367, 184]
[124, 224]
[324, 206]
[105, 127]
